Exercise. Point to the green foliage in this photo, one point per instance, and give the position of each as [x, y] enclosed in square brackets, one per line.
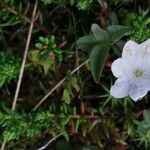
[98, 45]
[80, 4]
[16, 126]
[84, 112]
[117, 31]
[139, 24]
[7, 19]
[46, 2]
[84, 4]
[46, 54]
[9, 67]
[74, 82]
[144, 125]
[98, 58]
[116, 2]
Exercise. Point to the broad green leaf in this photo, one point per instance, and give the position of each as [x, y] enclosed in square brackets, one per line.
[86, 43]
[99, 33]
[97, 59]
[114, 18]
[118, 46]
[117, 31]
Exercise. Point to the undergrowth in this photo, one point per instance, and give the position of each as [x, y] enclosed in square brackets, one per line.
[68, 65]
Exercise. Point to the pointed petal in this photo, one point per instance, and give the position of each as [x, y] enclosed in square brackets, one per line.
[120, 89]
[121, 67]
[130, 50]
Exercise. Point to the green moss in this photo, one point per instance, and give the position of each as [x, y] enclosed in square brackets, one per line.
[9, 67]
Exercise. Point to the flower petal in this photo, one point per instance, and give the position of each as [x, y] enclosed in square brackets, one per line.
[145, 43]
[145, 83]
[144, 54]
[130, 50]
[121, 67]
[120, 89]
[138, 90]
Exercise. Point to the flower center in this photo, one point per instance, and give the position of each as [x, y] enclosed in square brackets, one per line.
[138, 73]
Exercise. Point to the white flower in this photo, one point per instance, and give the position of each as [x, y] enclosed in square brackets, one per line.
[132, 71]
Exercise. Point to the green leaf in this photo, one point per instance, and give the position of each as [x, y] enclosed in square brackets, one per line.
[86, 43]
[74, 83]
[35, 55]
[39, 45]
[146, 115]
[47, 63]
[144, 125]
[117, 47]
[66, 96]
[99, 34]
[97, 59]
[117, 31]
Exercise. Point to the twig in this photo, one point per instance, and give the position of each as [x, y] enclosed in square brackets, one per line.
[3, 145]
[23, 63]
[49, 142]
[58, 84]
[25, 56]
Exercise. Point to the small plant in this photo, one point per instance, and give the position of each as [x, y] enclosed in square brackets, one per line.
[98, 44]
[46, 54]
[73, 84]
[9, 67]
[139, 24]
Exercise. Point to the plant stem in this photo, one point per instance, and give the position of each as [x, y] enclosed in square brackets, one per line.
[25, 56]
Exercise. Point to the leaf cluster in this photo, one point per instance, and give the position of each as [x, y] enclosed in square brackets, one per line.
[139, 23]
[98, 44]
